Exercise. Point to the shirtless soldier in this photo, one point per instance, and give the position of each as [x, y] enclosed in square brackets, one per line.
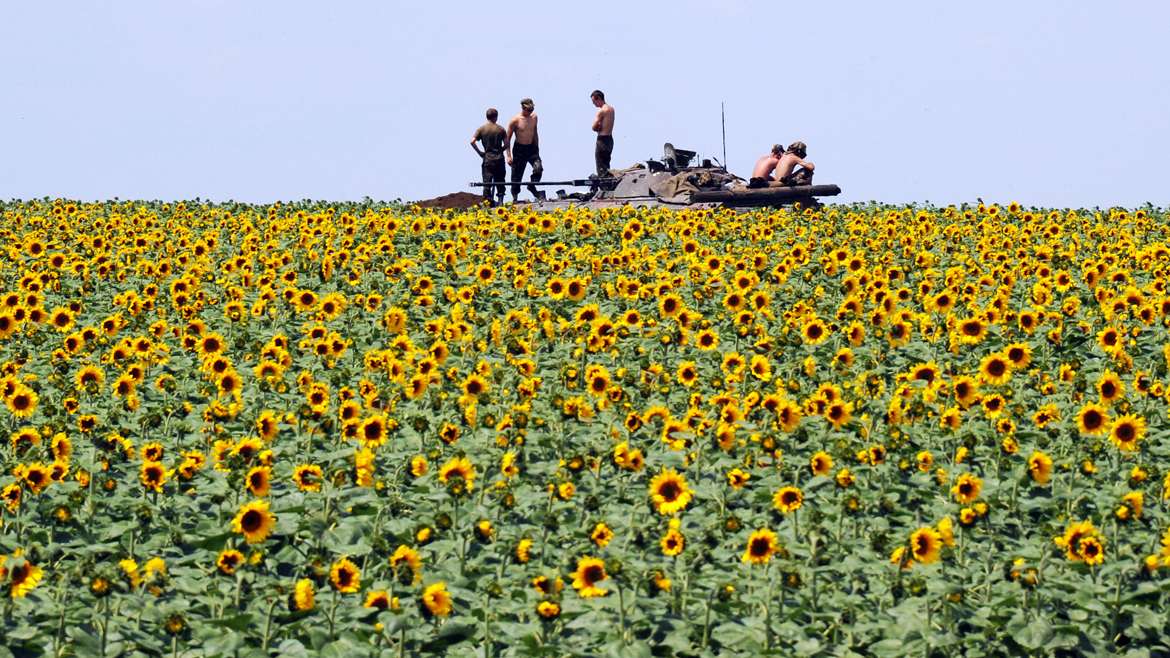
[603, 126]
[762, 174]
[782, 164]
[492, 136]
[795, 156]
[527, 148]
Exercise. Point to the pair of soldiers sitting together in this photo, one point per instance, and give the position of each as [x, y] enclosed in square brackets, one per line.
[777, 168]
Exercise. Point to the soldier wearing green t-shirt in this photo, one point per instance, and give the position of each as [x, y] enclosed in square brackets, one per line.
[491, 136]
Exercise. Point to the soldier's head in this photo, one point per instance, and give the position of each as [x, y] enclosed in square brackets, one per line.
[527, 104]
[798, 149]
[777, 149]
[492, 114]
[598, 98]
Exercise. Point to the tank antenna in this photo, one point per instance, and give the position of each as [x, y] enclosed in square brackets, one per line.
[723, 120]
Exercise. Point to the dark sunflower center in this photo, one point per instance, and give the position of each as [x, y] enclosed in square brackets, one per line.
[670, 491]
[253, 520]
[592, 574]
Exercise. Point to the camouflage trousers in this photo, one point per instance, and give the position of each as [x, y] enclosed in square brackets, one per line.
[801, 176]
[493, 172]
[602, 154]
[523, 155]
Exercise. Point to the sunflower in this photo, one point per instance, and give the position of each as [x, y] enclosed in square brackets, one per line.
[601, 535]
[971, 331]
[670, 305]
[1092, 419]
[760, 547]
[345, 576]
[437, 600]
[61, 319]
[1126, 431]
[89, 374]
[925, 545]
[25, 439]
[733, 364]
[688, 374]
[267, 425]
[707, 340]
[475, 386]
[1072, 538]
[304, 595]
[407, 556]
[821, 463]
[548, 610]
[254, 521]
[788, 499]
[228, 560]
[372, 431]
[24, 578]
[523, 550]
[211, 345]
[230, 384]
[153, 475]
[967, 488]
[673, 542]
[761, 368]
[844, 478]
[995, 369]
[669, 492]
[814, 331]
[789, 415]
[379, 600]
[994, 405]
[597, 380]
[1110, 386]
[1040, 467]
[737, 478]
[1091, 550]
[458, 467]
[258, 481]
[23, 401]
[839, 413]
[590, 571]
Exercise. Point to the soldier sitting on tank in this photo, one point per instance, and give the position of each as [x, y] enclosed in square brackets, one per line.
[762, 174]
[776, 168]
[795, 156]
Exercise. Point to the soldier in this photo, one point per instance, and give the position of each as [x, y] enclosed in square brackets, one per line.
[492, 136]
[527, 148]
[782, 163]
[603, 126]
[762, 174]
[795, 156]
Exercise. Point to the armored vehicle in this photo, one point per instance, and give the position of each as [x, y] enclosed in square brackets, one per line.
[672, 182]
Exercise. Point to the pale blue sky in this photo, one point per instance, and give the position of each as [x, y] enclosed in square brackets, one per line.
[1045, 103]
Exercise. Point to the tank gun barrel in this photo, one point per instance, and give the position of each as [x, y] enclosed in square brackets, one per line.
[765, 194]
[578, 182]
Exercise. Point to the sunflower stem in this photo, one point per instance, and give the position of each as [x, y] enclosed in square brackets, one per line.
[332, 612]
[707, 620]
[268, 624]
[622, 616]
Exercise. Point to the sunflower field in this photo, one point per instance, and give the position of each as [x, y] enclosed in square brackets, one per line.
[375, 430]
